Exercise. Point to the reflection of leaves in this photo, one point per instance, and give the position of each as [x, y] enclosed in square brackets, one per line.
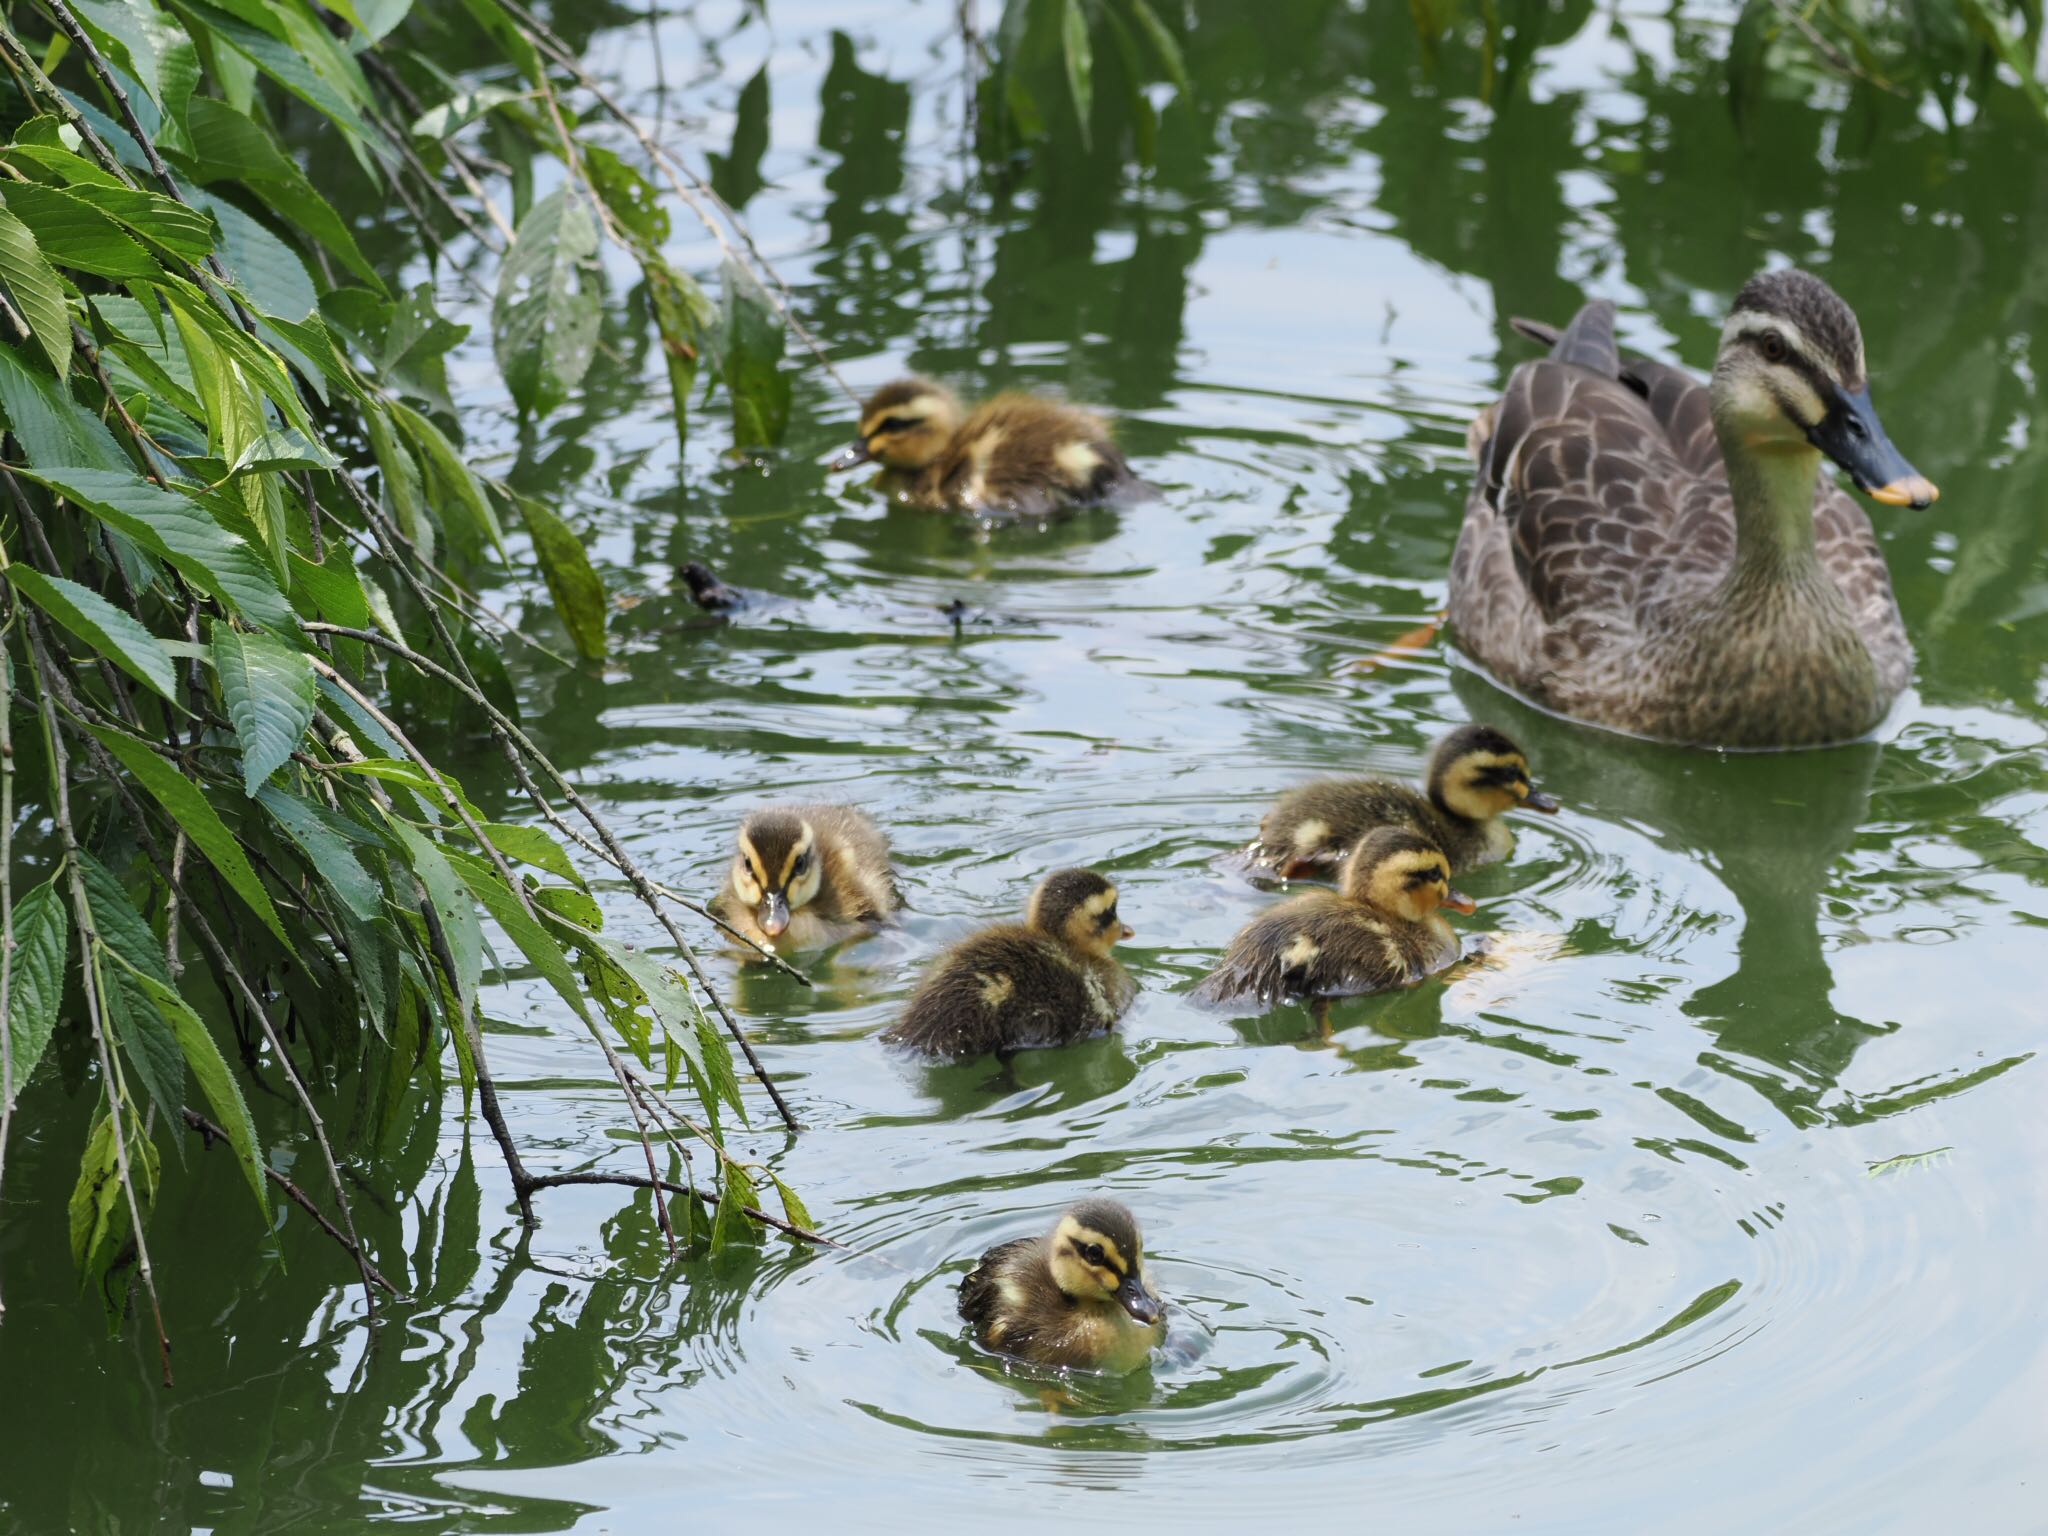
[753, 362]
[737, 176]
[577, 588]
[1080, 61]
[1903, 1161]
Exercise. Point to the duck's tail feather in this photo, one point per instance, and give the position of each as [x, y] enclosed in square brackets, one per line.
[1589, 340]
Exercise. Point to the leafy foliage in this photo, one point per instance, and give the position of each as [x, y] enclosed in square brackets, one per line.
[232, 476]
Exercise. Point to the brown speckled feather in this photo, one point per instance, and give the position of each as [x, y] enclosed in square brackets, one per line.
[1592, 573]
[1323, 945]
[1011, 988]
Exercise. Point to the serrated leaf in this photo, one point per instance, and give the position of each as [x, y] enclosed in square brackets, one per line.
[459, 111]
[210, 1071]
[189, 807]
[95, 1210]
[114, 919]
[55, 431]
[572, 580]
[228, 145]
[629, 195]
[281, 448]
[146, 1041]
[526, 931]
[269, 691]
[798, 1213]
[735, 1193]
[38, 292]
[754, 344]
[72, 233]
[452, 904]
[547, 308]
[177, 529]
[265, 270]
[684, 315]
[403, 489]
[332, 590]
[110, 631]
[327, 851]
[530, 845]
[576, 906]
[452, 482]
[42, 930]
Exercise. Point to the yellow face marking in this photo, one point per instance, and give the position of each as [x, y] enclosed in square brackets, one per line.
[746, 873]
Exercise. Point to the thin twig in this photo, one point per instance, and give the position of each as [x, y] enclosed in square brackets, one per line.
[635, 1181]
[210, 1133]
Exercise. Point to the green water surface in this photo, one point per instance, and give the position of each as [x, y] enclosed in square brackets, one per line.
[1715, 1205]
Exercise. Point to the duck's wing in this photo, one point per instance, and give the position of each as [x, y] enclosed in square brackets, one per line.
[981, 1293]
[1676, 397]
[1574, 515]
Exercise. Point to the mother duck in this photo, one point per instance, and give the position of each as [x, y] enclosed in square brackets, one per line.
[1666, 559]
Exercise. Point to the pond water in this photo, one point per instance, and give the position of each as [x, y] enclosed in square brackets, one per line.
[1714, 1203]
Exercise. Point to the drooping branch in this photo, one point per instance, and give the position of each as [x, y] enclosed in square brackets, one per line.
[635, 1181]
[210, 1133]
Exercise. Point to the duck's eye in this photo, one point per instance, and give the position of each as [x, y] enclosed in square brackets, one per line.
[1774, 348]
[803, 864]
[894, 424]
[1092, 1252]
[1106, 919]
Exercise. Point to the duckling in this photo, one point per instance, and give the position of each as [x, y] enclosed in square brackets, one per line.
[1475, 775]
[1046, 981]
[1015, 456]
[708, 592]
[1079, 1297]
[1379, 930]
[808, 875]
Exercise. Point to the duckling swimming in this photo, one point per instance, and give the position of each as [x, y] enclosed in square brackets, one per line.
[1379, 930]
[1475, 775]
[1078, 1297]
[1015, 456]
[1049, 980]
[807, 876]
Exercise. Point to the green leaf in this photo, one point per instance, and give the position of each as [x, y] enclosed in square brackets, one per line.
[72, 233]
[530, 845]
[684, 315]
[174, 528]
[326, 849]
[228, 145]
[42, 930]
[1163, 43]
[736, 1192]
[510, 37]
[573, 905]
[452, 904]
[55, 431]
[547, 308]
[333, 591]
[96, 1211]
[281, 448]
[1080, 59]
[190, 808]
[459, 111]
[38, 292]
[534, 941]
[793, 1208]
[449, 479]
[403, 489]
[145, 1039]
[265, 270]
[110, 631]
[269, 691]
[114, 918]
[753, 356]
[222, 1092]
[573, 581]
[630, 196]
[116, 23]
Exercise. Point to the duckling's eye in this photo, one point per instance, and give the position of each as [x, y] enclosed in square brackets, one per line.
[1774, 348]
[1092, 1252]
[894, 424]
[803, 864]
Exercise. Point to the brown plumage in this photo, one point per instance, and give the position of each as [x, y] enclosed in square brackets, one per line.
[1380, 929]
[1016, 456]
[806, 876]
[1475, 775]
[1665, 558]
[1079, 1297]
[1046, 981]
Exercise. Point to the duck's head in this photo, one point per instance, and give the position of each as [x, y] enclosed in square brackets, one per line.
[777, 868]
[1476, 772]
[1790, 376]
[904, 425]
[1098, 1255]
[1078, 907]
[1403, 874]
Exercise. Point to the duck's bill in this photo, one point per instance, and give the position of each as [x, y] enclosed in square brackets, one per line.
[1854, 438]
[774, 914]
[1536, 800]
[1142, 1305]
[851, 456]
[1458, 901]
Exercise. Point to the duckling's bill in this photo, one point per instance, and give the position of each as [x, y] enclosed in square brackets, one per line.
[1138, 1299]
[1459, 902]
[852, 456]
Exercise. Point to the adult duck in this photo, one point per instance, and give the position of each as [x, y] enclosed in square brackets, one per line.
[1664, 557]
